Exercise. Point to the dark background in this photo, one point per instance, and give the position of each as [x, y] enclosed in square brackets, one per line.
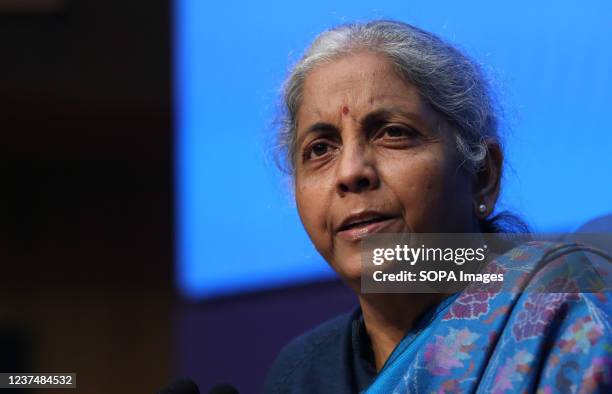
[86, 237]
[86, 233]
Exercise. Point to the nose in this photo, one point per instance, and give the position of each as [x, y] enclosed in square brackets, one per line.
[356, 171]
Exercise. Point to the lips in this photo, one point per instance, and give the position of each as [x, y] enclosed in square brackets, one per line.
[363, 224]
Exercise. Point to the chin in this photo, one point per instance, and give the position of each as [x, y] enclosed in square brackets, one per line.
[350, 271]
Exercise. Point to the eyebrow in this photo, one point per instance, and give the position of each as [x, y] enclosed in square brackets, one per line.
[369, 121]
[376, 117]
[318, 127]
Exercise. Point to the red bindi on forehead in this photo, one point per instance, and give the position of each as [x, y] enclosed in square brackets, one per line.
[345, 110]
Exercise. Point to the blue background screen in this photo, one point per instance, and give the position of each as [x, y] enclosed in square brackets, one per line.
[237, 226]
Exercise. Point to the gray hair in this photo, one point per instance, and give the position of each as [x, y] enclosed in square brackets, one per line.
[452, 83]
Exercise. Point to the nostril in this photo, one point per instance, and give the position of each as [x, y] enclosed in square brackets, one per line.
[363, 183]
[355, 186]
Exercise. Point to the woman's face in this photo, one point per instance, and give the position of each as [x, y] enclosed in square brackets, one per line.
[372, 156]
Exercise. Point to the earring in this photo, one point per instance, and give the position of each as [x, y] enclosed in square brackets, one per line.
[482, 208]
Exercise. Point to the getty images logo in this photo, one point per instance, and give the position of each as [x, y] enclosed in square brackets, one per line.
[411, 255]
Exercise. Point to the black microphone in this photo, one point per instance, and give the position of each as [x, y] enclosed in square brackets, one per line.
[180, 386]
[223, 389]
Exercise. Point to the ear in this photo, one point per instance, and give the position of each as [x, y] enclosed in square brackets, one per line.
[488, 180]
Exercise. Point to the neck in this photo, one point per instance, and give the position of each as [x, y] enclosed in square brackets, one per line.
[388, 317]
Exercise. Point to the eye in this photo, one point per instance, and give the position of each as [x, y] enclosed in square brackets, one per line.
[319, 149]
[395, 132]
[316, 150]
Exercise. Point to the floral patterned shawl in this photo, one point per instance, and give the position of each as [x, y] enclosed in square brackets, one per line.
[531, 337]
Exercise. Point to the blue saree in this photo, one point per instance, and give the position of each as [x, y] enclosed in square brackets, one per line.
[544, 334]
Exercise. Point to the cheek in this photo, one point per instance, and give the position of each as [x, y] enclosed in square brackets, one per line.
[424, 187]
[312, 210]
[425, 190]
[416, 181]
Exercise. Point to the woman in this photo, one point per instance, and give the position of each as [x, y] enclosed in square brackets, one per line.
[389, 129]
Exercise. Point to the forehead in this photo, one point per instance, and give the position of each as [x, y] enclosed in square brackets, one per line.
[362, 81]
